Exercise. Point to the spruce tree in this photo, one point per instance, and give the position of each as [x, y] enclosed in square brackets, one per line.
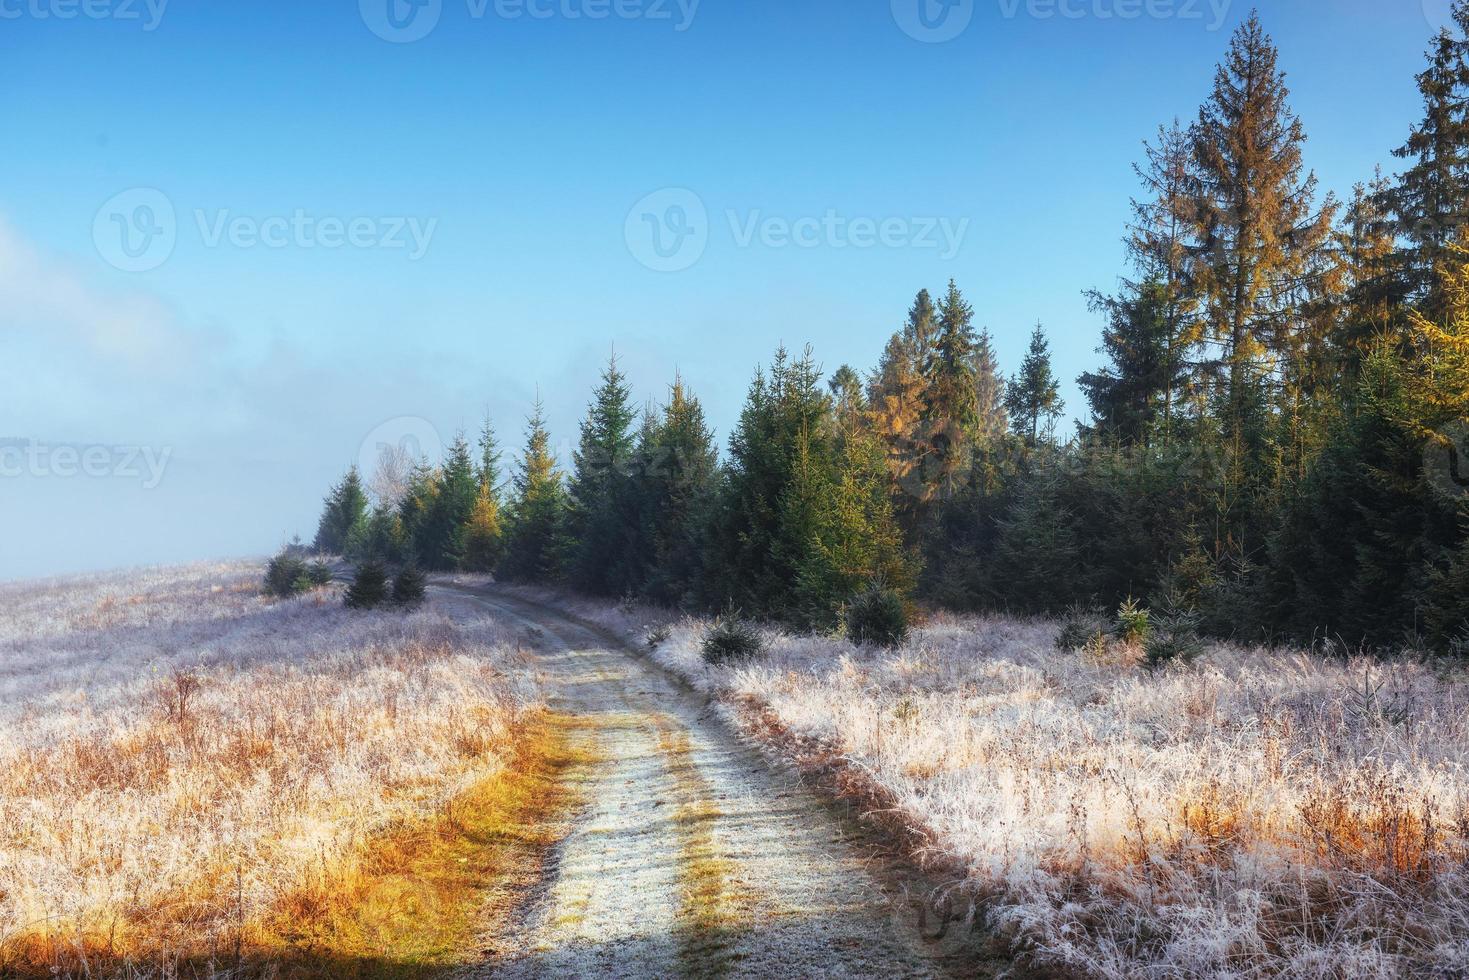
[536, 508]
[1129, 395]
[896, 400]
[410, 586]
[1159, 248]
[488, 470]
[678, 485]
[990, 420]
[344, 512]
[1033, 396]
[950, 405]
[369, 586]
[1430, 200]
[600, 506]
[1257, 232]
[483, 535]
[440, 537]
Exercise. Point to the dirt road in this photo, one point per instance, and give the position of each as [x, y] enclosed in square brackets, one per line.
[687, 855]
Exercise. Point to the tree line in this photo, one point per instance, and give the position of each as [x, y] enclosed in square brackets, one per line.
[1272, 446]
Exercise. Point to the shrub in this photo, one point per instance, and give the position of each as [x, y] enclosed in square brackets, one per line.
[656, 636]
[1079, 628]
[409, 585]
[1175, 636]
[1133, 623]
[730, 639]
[876, 617]
[320, 573]
[369, 586]
[286, 576]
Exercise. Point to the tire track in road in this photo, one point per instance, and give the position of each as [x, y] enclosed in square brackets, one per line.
[689, 856]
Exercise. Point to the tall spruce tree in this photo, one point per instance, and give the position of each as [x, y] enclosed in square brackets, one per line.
[1159, 249]
[896, 400]
[1257, 234]
[600, 508]
[440, 538]
[343, 514]
[1033, 396]
[487, 472]
[679, 481]
[1129, 396]
[1430, 200]
[950, 405]
[536, 508]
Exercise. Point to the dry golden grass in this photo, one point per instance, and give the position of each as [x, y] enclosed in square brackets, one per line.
[1257, 813]
[207, 778]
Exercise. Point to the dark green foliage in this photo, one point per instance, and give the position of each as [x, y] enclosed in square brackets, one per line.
[319, 573]
[876, 616]
[601, 507]
[369, 587]
[533, 532]
[731, 639]
[1258, 461]
[1080, 626]
[344, 513]
[677, 490]
[446, 502]
[286, 576]
[1033, 396]
[1430, 201]
[1173, 636]
[410, 586]
[1130, 395]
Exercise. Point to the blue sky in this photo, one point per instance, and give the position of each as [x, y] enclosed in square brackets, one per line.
[290, 309]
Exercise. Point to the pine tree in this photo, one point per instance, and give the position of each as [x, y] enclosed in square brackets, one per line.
[950, 405]
[991, 423]
[484, 535]
[756, 546]
[439, 539]
[344, 512]
[488, 471]
[1366, 250]
[1159, 247]
[896, 399]
[1129, 396]
[1257, 236]
[847, 395]
[536, 508]
[600, 506]
[1033, 396]
[369, 586]
[1430, 200]
[410, 586]
[679, 481]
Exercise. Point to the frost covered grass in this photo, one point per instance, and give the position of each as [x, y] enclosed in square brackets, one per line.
[1258, 813]
[190, 771]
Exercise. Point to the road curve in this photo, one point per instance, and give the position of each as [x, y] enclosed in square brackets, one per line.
[688, 855]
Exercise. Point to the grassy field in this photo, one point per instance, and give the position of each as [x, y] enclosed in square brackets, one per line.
[193, 775]
[1256, 813]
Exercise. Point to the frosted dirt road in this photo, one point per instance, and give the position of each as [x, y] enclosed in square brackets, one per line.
[686, 855]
